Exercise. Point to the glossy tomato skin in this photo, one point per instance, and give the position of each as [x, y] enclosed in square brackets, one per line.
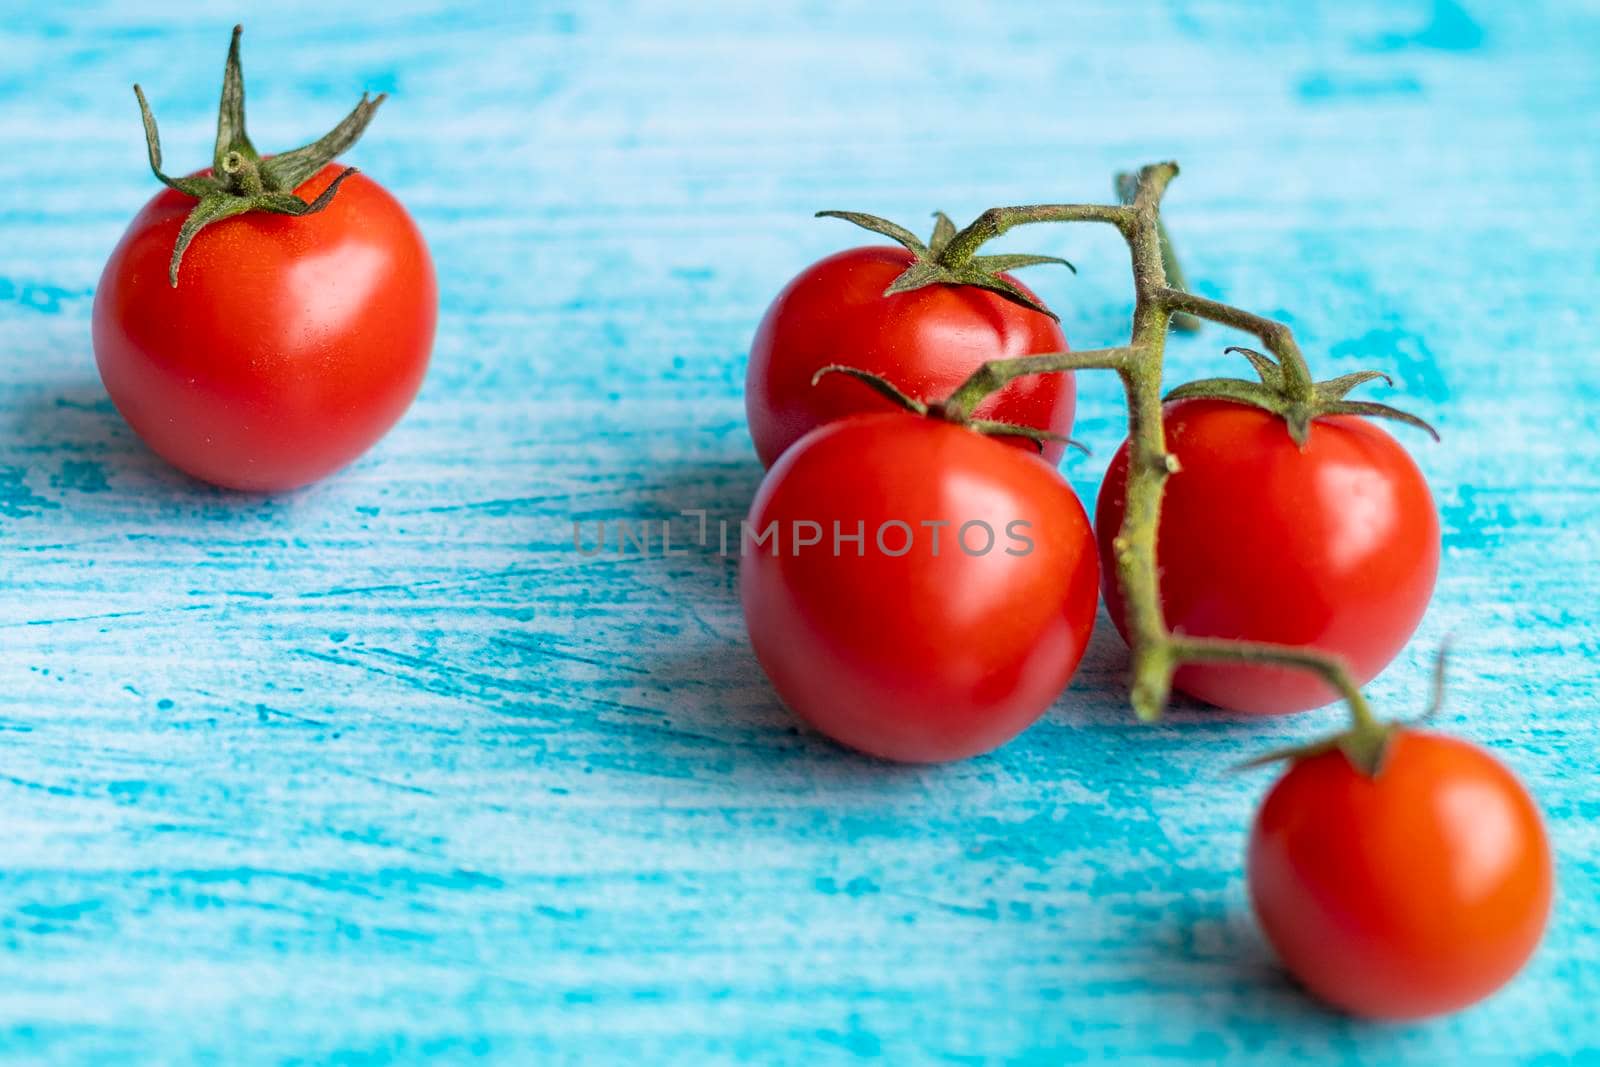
[918, 657]
[1335, 547]
[1417, 892]
[926, 342]
[289, 346]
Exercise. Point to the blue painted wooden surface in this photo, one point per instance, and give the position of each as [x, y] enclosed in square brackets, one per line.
[383, 769]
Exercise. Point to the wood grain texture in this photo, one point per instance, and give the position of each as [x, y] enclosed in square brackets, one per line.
[384, 770]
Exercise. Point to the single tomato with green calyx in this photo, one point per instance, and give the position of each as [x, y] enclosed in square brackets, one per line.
[923, 315]
[1400, 873]
[264, 322]
[956, 606]
[1290, 518]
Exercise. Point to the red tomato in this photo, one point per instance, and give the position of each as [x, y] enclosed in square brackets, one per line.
[1415, 892]
[926, 342]
[931, 642]
[288, 347]
[1335, 547]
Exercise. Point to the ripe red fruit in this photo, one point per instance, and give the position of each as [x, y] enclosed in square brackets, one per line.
[264, 322]
[1334, 546]
[912, 649]
[1409, 893]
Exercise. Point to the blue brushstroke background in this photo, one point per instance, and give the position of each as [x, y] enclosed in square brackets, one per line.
[383, 770]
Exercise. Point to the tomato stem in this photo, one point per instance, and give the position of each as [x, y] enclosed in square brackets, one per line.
[961, 248]
[997, 374]
[1159, 301]
[1278, 338]
[1331, 668]
[1127, 187]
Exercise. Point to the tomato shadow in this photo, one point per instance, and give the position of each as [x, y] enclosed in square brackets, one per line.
[1210, 943]
[68, 442]
[716, 715]
[726, 730]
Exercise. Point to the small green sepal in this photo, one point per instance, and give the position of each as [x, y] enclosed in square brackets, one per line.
[988, 427]
[877, 382]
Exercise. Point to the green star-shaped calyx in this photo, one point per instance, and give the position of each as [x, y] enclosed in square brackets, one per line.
[944, 260]
[240, 179]
[1285, 388]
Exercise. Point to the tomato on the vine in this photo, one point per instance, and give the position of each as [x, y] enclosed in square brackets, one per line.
[1333, 546]
[264, 322]
[926, 338]
[1414, 891]
[956, 618]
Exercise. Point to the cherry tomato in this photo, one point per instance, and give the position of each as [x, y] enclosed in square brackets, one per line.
[1415, 892]
[926, 341]
[288, 347]
[957, 619]
[1335, 547]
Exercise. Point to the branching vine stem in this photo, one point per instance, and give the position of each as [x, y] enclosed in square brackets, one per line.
[1156, 651]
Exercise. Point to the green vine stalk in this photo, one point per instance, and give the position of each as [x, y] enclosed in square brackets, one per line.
[1159, 301]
